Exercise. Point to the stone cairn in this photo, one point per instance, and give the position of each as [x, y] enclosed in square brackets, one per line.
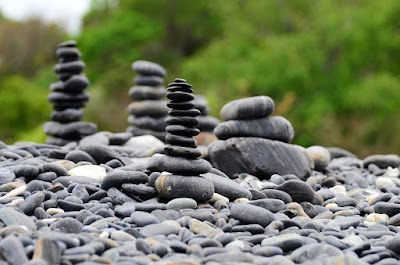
[206, 123]
[148, 110]
[181, 158]
[252, 141]
[68, 98]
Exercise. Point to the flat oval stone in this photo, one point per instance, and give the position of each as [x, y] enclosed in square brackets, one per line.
[181, 140]
[147, 92]
[70, 130]
[148, 80]
[28, 171]
[55, 97]
[90, 171]
[251, 214]
[274, 128]
[159, 229]
[148, 68]
[143, 218]
[100, 153]
[382, 161]
[68, 52]
[178, 165]
[176, 186]
[285, 242]
[180, 151]
[180, 105]
[314, 251]
[157, 124]
[75, 83]
[190, 112]
[227, 187]
[182, 120]
[182, 203]
[298, 190]
[136, 131]
[74, 67]
[67, 225]
[182, 130]
[78, 156]
[12, 250]
[179, 96]
[153, 108]
[277, 194]
[388, 208]
[207, 123]
[47, 249]
[248, 108]
[31, 203]
[118, 177]
[273, 205]
[10, 216]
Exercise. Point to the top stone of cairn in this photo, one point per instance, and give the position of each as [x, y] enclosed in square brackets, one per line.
[248, 108]
[148, 68]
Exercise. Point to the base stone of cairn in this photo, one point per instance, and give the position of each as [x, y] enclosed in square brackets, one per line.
[148, 109]
[251, 141]
[68, 98]
[181, 159]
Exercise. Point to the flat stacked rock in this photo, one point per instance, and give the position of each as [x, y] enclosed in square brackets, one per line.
[182, 155]
[206, 123]
[68, 98]
[148, 110]
[252, 141]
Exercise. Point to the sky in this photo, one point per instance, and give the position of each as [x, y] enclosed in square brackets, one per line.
[66, 13]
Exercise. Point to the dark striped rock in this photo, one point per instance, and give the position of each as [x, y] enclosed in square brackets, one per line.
[274, 128]
[259, 157]
[248, 108]
[70, 130]
[227, 187]
[148, 68]
[176, 186]
[251, 214]
[382, 161]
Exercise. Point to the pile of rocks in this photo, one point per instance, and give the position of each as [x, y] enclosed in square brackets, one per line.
[68, 98]
[251, 141]
[206, 123]
[181, 153]
[148, 111]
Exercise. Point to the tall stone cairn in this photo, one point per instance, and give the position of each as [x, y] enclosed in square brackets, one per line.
[148, 110]
[68, 98]
[182, 155]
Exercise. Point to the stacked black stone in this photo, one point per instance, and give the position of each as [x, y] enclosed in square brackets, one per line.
[182, 155]
[68, 98]
[148, 111]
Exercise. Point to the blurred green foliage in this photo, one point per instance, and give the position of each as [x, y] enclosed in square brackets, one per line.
[332, 67]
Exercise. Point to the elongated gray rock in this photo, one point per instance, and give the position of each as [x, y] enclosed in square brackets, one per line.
[382, 161]
[251, 214]
[148, 68]
[10, 216]
[274, 128]
[69, 130]
[227, 187]
[259, 157]
[248, 108]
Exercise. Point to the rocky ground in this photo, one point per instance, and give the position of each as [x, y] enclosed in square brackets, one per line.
[96, 203]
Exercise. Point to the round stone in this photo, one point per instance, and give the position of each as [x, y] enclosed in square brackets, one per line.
[251, 214]
[6, 176]
[298, 190]
[75, 83]
[148, 68]
[182, 203]
[78, 156]
[320, 156]
[67, 225]
[176, 186]
[285, 242]
[248, 108]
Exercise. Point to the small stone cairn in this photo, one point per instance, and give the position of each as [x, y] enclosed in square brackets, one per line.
[68, 98]
[206, 123]
[181, 158]
[148, 110]
[252, 141]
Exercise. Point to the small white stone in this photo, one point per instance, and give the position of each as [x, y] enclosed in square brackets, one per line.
[373, 218]
[53, 211]
[145, 141]
[235, 245]
[216, 197]
[392, 172]
[338, 189]
[15, 192]
[15, 203]
[241, 200]
[384, 182]
[90, 171]
[353, 240]
[104, 234]
[320, 156]
[65, 164]
[49, 220]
